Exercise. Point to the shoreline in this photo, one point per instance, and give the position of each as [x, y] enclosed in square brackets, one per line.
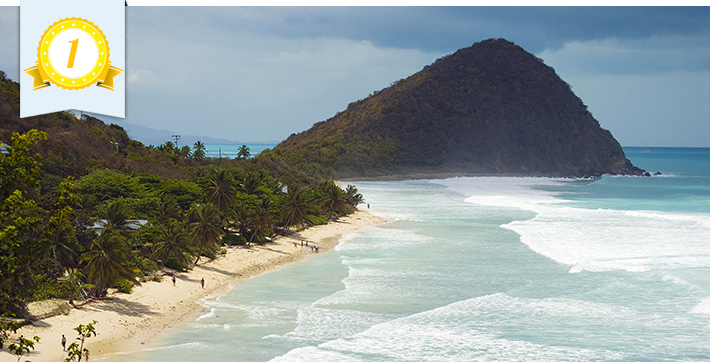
[131, 322]
[413, 176]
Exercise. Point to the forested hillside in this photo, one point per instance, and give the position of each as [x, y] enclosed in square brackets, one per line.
[492, 108]
[84, 209]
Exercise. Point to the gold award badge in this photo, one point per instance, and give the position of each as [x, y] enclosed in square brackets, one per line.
[73, 53]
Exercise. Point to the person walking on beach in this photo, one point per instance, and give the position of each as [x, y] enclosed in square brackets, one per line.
[64, 343]
[202, 283]
[174, 279]
[86, 354]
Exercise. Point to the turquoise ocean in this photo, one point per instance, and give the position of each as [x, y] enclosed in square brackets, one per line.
[487, 269]
[231, 150]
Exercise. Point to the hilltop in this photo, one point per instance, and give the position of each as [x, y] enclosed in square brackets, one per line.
[77, 145]
[492, 108]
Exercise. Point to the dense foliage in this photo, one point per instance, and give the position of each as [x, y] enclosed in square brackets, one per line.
[84, 209]
[489, 108]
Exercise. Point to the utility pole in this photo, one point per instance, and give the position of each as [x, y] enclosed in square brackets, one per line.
[177, 140]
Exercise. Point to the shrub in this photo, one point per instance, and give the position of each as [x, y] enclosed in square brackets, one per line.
[210, 252]
[146, 266]
[233, 239]
[260, 239]
[124, 286]
[45, 288]
[318, 220]
[173, 263]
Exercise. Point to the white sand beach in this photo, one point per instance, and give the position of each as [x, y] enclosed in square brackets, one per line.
[130, 322]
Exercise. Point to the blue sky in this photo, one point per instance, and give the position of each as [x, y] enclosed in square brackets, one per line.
[260, 74]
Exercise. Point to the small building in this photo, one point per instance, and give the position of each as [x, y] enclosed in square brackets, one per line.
[133, 224]
[3, 149]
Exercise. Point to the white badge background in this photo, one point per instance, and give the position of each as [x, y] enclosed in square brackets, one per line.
[35, 17]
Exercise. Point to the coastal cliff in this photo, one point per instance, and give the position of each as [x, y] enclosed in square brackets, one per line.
[492, 108]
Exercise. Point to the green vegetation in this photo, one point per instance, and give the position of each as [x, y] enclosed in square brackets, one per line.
[84, 209]
[124, 286]
[198, 152]
[23, 346]
[491, 108]
[76, 351]
[244, 152]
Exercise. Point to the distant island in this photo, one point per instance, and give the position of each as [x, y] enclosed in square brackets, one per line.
[489, 109]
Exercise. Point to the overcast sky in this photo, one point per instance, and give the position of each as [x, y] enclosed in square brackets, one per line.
[260, 74]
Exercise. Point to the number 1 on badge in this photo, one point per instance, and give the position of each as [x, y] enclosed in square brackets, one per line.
[72, 53]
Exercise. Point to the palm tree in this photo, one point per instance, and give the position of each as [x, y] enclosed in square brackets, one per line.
[252, 184]
[166, 209]
[75, 287]
[221, 190]
[243, 152]
[117, 219]
[204, 226]
[296, 207]
[172, 242]
[64, 247]
[332, 198]
[106, 262]
[352, 196]
[262, 218]
[170, 150]
[168, 147]
[184, 152]
[199, 151]
[239, 218]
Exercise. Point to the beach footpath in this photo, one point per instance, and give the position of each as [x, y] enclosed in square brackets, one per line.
[131, 322]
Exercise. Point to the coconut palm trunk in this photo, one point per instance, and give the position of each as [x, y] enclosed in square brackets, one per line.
[204, 227]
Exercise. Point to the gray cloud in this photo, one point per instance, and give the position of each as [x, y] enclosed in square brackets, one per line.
[632, 56]
[201, 79]
[258, 74]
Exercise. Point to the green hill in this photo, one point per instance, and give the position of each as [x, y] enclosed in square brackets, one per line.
[63, 178]
[76, 145]
[492, 108]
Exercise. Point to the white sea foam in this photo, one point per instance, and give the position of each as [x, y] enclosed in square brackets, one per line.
[593, 240]
[188, 345]
[466, 331]
[316, 323]
[396, 238]
[207, 315]
[210, 326]
[702, 308]
[309, 354]
[602, 239]
[674, 279]
[504, 191]
[261, 313]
